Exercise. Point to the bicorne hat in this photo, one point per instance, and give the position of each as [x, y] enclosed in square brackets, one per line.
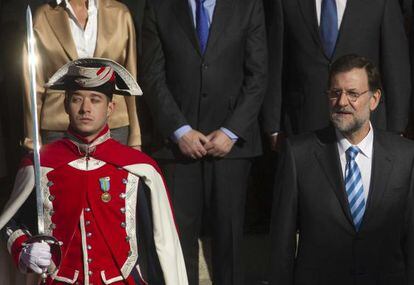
[97, 74]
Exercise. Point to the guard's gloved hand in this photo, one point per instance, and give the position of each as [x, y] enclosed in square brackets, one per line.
[36, 256]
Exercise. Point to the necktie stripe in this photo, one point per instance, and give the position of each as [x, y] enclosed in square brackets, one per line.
[354, 187]
[352, 183]
[355, 195]
[357, 201]
[352, 167]
[359, 212]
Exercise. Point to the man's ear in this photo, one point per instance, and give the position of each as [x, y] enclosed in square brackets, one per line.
[111, 108]
[375, 100]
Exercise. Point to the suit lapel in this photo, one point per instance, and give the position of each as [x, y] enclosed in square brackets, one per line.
[221, 16]
[328, 158]
[346, 22]
[308, 10]
[382, 165]
[184, 17]
[59, 22]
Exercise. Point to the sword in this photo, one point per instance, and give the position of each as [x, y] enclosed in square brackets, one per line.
[36, 144]
[33, 97]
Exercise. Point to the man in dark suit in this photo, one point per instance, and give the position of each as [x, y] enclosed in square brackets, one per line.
[306, 36]
[203, 73]
[348, 191]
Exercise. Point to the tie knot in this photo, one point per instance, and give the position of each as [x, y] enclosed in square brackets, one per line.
[352, 152]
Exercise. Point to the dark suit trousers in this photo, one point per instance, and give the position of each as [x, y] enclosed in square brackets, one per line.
[215, 189]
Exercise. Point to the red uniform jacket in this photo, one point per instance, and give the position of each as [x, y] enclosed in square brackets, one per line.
[90, 204]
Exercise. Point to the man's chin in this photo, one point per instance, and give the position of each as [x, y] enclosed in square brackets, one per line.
[85, 132]
[347, 127]
[342, 126]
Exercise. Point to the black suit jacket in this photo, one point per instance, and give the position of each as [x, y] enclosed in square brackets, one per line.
[310, 197]
[136, 7]
[222, 88]
[299, 67]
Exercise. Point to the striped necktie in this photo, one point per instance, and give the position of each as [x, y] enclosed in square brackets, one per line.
[329, 26]
[354, 187]
[202, 27]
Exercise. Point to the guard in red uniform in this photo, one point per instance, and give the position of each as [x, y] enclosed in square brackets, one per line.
[98, 195]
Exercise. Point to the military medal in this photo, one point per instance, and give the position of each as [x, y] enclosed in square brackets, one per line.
[106, 197]
[105, 184]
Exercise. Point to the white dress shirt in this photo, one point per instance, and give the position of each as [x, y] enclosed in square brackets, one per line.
[85, 39]
[363, 159]
[340, 7]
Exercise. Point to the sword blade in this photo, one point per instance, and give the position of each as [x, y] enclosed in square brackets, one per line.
[33, 96]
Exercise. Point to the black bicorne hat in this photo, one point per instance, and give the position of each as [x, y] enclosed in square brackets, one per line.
[98, 74]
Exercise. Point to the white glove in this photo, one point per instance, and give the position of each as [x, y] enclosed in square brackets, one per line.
[36, 256]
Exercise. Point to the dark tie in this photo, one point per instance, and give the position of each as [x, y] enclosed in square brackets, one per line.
[329, 26]
[202, 25]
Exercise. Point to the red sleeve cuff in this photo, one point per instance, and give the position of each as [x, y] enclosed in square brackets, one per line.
[16, 246]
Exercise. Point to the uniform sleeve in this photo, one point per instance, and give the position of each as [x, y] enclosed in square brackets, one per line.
[15, 236]
[18, 219]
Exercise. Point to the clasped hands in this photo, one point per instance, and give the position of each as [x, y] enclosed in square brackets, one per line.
[196, 145]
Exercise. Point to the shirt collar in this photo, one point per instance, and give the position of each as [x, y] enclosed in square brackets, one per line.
[92, 4]
[365, 145]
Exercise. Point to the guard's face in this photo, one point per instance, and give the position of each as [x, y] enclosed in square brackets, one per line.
[350, 101]
[88, 111]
